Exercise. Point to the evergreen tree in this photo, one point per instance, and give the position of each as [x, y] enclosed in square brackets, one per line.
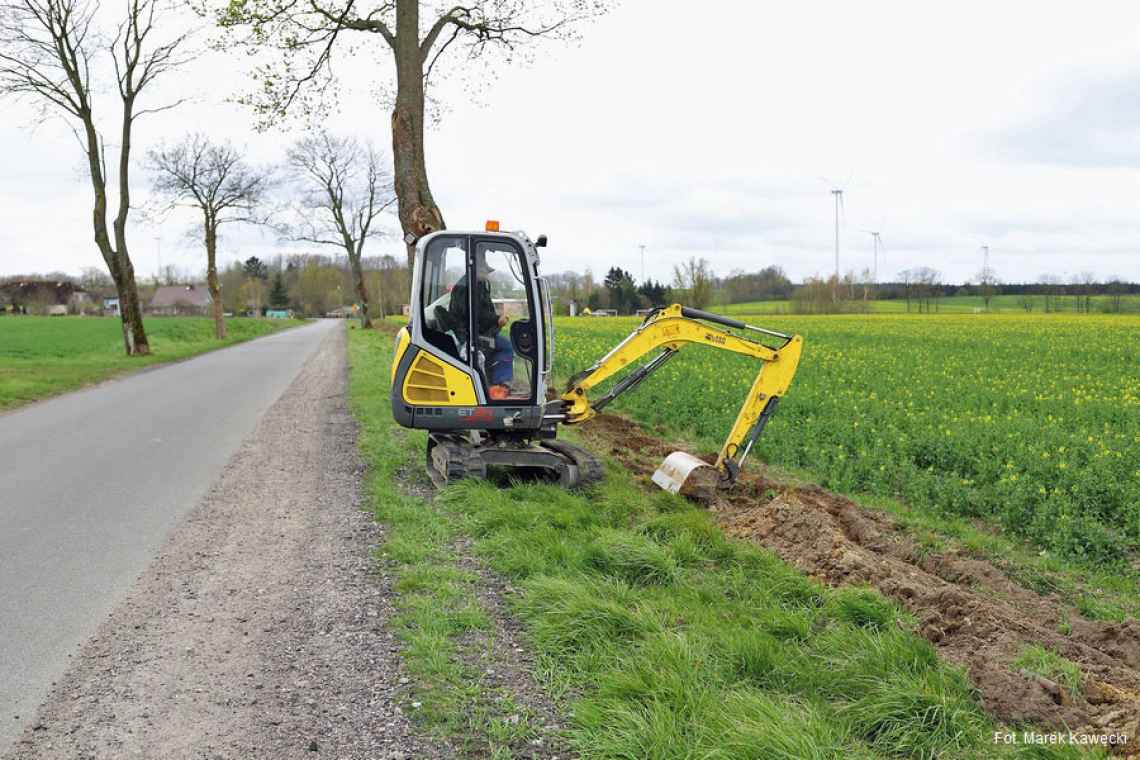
[255, 268]
[622, 290]
[654, 292]
[278, 294]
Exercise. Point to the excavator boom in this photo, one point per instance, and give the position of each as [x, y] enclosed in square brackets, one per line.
[667, 331]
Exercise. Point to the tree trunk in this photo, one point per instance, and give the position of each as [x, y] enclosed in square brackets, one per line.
[130, 311]
[417, 210]
[118, 263]
[212, 277]
[361, 288]
[133, 330]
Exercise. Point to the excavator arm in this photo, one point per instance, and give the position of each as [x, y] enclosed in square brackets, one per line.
[668, 330]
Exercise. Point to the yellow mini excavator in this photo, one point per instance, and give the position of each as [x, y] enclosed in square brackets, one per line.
[473, 365]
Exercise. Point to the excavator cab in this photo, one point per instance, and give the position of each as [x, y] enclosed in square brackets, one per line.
[473, 365]
[480, 307]
[474, 355]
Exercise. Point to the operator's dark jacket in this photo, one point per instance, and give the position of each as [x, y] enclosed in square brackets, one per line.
[487, 319]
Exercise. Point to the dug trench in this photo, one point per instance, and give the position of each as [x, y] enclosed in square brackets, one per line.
[972, 612]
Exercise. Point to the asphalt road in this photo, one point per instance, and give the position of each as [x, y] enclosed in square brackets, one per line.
[93, 482]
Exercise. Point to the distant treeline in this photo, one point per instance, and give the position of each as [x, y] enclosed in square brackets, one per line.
[888, 291]
[921, 288]
[317, 284]
[306, 284]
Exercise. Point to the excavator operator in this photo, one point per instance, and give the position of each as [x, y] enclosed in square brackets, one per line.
[488, 325]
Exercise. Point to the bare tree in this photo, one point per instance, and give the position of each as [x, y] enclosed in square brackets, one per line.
[48, 50]
[928, 284]
[987, 284]
[1085, 283]
[344, 188]
[1115, 287]
[216, 180]
[305, 38]
[695, 278]
[1051, 289]
[816, 296]
[907, 278]
[866, 277]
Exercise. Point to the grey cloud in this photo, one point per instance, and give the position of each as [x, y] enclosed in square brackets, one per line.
[1092, 119]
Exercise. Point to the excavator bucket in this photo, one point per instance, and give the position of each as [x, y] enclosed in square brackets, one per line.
[685, 474]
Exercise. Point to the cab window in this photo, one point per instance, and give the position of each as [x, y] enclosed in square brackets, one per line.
[505, 341]
[445, 269]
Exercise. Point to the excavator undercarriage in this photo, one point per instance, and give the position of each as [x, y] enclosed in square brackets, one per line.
[454, 456]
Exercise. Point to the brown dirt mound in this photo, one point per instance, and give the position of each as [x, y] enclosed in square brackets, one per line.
[972, 612]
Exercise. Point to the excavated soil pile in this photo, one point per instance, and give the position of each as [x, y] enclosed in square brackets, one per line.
[972, 612]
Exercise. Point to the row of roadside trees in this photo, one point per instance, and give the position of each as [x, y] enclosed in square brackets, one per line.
[331, 192]
[71, 59]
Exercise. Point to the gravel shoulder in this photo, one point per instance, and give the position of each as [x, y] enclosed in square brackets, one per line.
[259, 630]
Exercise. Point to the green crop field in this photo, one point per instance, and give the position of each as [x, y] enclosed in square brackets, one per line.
[44, 356]
[1029, 421]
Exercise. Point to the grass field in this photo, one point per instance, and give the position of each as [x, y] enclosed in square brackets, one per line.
[1005, 304]
[45, 356]
[655, 635]
[1032, 422]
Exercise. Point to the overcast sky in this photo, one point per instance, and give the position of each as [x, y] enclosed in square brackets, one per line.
[718, 133]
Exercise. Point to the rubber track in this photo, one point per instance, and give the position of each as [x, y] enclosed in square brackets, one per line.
[589, 468]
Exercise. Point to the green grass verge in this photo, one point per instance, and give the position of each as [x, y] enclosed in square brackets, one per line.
[46, 356]
[439, 623]
[658, 636]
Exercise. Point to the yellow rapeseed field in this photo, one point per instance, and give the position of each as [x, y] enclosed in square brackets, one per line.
[1030, 420]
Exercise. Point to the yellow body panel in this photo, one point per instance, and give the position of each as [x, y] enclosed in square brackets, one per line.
[433, 382]
[403, 338]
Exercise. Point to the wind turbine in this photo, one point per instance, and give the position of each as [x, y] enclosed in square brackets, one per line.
[838, 193]
[837, 190]
[876, 241]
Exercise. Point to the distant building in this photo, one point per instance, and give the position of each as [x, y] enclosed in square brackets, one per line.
[279, 313]
[110, 307]
[42, 297]
[171, 300]
[342, 312]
